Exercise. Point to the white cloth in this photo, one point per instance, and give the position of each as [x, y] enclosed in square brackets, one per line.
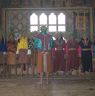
[45, 62]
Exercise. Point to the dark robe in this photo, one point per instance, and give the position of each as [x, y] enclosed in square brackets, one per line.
[2, 50]
[59, 51]
[3, 45]
[86, 55]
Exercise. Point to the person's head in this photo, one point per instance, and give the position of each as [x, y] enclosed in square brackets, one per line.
[59, 36]
[85, 37]
[22, 35]
[44, 29]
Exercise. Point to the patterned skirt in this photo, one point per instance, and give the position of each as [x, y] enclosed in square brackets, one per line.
[23, 57]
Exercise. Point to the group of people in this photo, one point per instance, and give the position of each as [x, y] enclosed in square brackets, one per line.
[48, 55]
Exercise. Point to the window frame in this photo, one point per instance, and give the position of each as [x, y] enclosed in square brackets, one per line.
[56, 13]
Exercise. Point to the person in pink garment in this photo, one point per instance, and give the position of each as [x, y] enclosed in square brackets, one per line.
[73, 61]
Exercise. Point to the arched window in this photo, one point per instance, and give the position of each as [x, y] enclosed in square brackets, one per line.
[33, 19]
[52, 18]
[61, 22]
[33, 22]
[61, 18]
[55, 23]
[43, 19]
[52, 23]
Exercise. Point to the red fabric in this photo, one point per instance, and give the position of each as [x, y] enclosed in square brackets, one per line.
[59, 52]
[73, 56]
[79, 50]
[45, 39]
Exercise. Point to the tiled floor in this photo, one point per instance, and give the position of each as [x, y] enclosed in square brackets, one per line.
[58, 86]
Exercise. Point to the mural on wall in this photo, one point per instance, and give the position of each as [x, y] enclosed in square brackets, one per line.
[19, 21]
[69, 21]
[82, 25]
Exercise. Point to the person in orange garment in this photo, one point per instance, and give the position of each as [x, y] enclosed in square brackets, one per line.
[11, 52]
[43, 44]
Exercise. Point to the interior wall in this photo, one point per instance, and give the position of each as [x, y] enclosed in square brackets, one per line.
[18, 20]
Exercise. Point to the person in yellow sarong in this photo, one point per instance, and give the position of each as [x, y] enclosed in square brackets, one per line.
[22, 48]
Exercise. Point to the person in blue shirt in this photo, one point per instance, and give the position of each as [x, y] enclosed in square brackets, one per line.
[3, 50]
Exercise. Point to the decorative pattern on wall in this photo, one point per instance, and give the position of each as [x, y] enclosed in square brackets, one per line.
[82, 25]
[18, 21]
[69, 21]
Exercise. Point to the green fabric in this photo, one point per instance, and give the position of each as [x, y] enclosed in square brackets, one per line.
[38, 43]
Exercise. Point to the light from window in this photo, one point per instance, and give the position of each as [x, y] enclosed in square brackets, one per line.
[53, 38]
[52, 29]
[61, 18]
[61, 28]
[33, 19]
[55, 23]
[52, 18]
[43, 19]
[33, 28]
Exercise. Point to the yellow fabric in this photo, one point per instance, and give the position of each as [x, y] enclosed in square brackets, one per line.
[23, 44]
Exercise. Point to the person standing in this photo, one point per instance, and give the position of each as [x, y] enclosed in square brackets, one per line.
[86, 52]
[33, 54]
[59, 53]
[11, 53]
[43, 44]
[72, 55]
[22, 48]
[3, 50]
